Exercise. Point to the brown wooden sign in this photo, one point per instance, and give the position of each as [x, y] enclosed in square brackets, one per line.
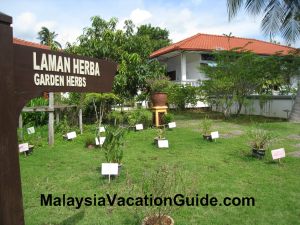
[26, 72]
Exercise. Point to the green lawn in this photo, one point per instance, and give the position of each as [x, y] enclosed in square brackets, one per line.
[222, 168]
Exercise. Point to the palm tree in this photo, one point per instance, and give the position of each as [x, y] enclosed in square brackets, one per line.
[47, 38]
[279, 16]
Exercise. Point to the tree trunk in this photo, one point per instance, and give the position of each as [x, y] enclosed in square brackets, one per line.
[295, 113]
[240, 103]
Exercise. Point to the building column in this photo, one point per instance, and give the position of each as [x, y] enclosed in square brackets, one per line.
[183, 66]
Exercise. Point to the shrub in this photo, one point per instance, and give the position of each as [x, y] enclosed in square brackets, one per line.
[89, 140]
[206, 125]
[113, 144]
[260, 139]
[116, 117]
[167, 118]
[143, 116]
[159, 84]
[181, 95]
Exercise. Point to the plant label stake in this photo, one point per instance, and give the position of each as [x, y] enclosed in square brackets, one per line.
[25, 73]
[30, 130]
[139, 127]
[278, 154]
[109, 169]
[172, 125]
[214, 135]
[71, 135]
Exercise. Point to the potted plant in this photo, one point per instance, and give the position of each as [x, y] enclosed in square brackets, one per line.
[206, 125]
[161, 132]
[167, 118]
[159, 183]
[260, 140]
[158, 87]
[89, 142]
[113, 145]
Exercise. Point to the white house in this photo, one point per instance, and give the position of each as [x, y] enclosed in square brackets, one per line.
[184, 57]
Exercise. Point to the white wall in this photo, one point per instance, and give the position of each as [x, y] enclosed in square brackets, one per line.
[193, 63]
[173, 64]
[272, 108]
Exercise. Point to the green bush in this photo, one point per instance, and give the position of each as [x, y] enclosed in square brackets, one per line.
[206, 125]
[116, 117]
[36, 118]
[143, 116]
[167, 118]
[89, 140]
[113, 144]
[180, 95]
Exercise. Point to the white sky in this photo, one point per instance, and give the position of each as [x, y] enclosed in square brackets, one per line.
[182, 18]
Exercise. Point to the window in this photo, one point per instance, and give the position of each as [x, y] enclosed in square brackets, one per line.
[207, 57]
[172, 75]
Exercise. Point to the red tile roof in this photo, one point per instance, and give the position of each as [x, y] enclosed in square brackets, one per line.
[30, 44]
[208, 42]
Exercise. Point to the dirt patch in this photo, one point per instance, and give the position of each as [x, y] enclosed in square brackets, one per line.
[297, 145]
[232, 133]
[295, 154]
[294, 136]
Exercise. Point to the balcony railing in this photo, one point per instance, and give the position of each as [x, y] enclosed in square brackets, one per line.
[194, 83]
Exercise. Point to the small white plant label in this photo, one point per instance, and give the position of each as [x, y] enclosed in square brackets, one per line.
[172, 125]
[30, 130]
[139, 127]
[109, 168]
[71, 135]
[102, 129]
[278, 153]
[163, 143]
[102, 139]
[214, 135]
[23, 147]
[97, 141]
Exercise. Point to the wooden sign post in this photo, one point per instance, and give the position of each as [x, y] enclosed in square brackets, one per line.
[25, 73]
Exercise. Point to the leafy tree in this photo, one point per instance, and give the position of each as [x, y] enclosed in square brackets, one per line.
[158, 36]
[129, 48]
[240, 73]
[47, 37]
[101, 103]
[182, 95]
[279, 16]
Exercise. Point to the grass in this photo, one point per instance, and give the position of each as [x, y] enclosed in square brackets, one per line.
[222, 168]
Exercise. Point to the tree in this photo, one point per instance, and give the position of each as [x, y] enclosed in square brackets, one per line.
[101, 103]
[47, 37]
[238, 74]
[128, 48]
[279, 16]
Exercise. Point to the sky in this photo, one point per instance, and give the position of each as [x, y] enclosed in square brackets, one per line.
[181, 18]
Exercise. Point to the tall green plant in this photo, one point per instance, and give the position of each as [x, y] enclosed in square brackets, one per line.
[113, 144]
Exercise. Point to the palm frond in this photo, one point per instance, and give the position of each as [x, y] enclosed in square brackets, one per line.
[233, 6]
[273, 18]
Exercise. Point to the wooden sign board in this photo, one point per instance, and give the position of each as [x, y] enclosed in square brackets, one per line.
[278, 153]
[30, 130]
[25, 73]
[71, 135]
[23, 147]
[214, 135]
[109, 168]
[102, 129]
[172, 125]
[139, 127]
[163, 144]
